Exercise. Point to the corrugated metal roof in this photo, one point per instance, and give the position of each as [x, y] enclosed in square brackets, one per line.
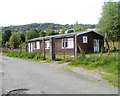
[61, 35]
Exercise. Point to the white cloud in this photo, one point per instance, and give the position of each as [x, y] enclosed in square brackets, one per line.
[17, 12]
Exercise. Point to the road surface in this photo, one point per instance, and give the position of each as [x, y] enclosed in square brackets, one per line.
[43, 79]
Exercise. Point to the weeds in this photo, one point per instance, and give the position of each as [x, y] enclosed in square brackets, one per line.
[108, 64]
[67, 69]
[25, 55]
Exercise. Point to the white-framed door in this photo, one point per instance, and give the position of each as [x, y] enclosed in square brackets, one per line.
[96, 45]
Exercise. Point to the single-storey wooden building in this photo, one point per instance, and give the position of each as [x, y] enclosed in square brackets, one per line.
[69, 43]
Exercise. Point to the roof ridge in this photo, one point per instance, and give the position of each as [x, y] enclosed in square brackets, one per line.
[63, 35]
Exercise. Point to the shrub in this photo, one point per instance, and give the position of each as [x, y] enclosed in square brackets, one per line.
[4, 50]
[38, 56]
[31, 55]
[25, 55]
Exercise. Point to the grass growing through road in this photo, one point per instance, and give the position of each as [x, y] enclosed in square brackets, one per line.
[67, 69]
[107, 63]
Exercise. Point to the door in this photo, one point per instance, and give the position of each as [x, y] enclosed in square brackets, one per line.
[96, 45]
[31, 47]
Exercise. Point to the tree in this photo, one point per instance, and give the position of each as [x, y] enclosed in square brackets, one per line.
[5, 36]
[109, 24]
[50, 32]
[14, 39]
[7, 44]
[63, 29]
[22, 36]
[77, 27]
[31, 34]
[42, 33]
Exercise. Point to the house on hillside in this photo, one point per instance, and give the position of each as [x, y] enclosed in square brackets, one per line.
[70, 43]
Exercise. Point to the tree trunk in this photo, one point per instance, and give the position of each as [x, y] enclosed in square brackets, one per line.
[113, 44]
[108, 47]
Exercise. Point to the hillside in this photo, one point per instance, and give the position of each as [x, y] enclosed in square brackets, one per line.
[44, 26]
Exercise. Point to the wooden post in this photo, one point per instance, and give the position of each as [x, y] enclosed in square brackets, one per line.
[52, 48]
[64, 47]
[20, 46]
[44, 49]
[75, 46]
[26, 47]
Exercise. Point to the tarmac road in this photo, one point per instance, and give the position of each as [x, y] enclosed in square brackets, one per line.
[43, 79]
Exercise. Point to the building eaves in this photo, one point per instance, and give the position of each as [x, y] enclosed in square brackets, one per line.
[61, 35]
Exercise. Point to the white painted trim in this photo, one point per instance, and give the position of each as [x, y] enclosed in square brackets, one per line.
[38, 44]
[85, 39]
[47, 44]
[70, 43]
[29, 48]
[96, 45]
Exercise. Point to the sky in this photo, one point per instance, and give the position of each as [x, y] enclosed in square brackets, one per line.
[20, 12]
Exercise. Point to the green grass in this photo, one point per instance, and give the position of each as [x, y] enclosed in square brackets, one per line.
[112, 78]
[25, 55]
[107, 63]
[66, 57]
[67, 69]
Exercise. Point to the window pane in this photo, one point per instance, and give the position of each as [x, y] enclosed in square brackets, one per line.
[63, 44]
[85, 39]
[38, 44]
[35, 45]
[66, 44]
[47, 45]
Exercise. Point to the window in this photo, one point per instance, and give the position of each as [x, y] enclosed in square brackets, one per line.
[47, 45]
[85, 40]
[64, 43]
[67, 43]
[38, 44]
[35, 45]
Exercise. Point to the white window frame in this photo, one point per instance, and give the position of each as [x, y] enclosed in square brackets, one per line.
[29, 47]
[85, 39]
[70, 43]
[47, 44]
[35, 45]
[38, 45]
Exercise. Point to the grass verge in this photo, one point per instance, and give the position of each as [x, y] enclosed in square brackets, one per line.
[107, 63]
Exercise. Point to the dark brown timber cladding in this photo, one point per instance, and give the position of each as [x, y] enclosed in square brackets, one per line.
[86, 47]
[89, 47]
[58, 48]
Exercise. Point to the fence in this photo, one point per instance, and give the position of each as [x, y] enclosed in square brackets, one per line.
[116, 44]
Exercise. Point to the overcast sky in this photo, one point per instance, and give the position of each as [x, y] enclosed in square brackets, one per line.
[20, 12]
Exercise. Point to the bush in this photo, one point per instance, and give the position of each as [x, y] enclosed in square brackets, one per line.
[4, 50]
[25, 55]
[38, 56]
